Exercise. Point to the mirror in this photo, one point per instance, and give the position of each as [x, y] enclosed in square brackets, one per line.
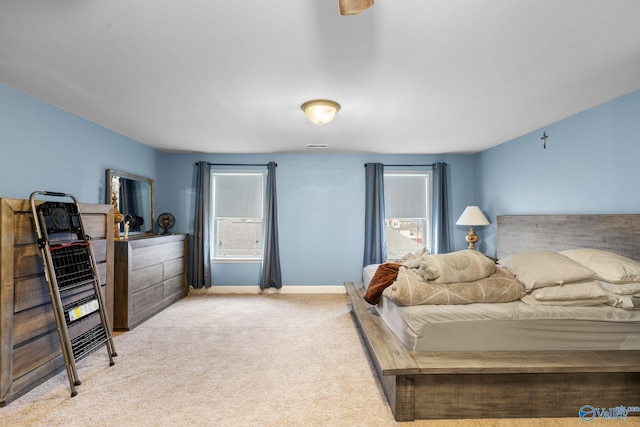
[134, 196]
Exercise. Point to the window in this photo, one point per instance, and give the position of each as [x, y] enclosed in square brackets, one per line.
[238, 207]
[407, 212]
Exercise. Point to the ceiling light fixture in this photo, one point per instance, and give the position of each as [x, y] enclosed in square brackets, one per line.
[320, 111]
[354, 7]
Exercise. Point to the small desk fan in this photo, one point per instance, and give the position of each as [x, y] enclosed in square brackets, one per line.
[166, 221]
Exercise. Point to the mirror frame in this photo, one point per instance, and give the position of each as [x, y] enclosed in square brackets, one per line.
[111, 173]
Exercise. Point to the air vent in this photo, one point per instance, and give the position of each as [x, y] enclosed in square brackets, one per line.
[318, 146]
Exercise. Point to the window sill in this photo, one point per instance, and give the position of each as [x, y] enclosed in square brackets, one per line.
[236, 260]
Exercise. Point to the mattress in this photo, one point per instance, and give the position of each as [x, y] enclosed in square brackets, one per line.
[512, 326]
[367, 274]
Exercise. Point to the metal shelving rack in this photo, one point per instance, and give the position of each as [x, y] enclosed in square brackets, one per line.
[74, 284]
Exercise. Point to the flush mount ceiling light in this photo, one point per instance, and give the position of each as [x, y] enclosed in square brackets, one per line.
[320, 111]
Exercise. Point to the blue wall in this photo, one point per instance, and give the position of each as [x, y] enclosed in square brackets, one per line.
[45, 148]
[320, 210]
[589, 166]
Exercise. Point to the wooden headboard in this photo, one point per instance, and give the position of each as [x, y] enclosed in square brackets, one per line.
[615, 233]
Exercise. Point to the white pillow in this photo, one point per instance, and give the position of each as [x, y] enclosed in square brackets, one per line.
[537, 269]
[569, 291]
[608, 266]
[622, 288]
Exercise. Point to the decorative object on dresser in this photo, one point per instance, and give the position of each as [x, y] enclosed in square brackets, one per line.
[166, 221]
[472, 216]
[150, 274]
[117, 216]
[29, 345]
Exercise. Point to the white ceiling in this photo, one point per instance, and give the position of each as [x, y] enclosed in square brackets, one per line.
[412, 76]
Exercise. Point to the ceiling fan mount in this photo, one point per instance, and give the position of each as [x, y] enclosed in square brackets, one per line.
[354, 7]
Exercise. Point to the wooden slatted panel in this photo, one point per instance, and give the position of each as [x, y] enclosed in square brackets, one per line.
[521, 395]
[502, 362]
[615, 233]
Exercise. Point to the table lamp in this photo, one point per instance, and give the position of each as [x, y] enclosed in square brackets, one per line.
[472, 216]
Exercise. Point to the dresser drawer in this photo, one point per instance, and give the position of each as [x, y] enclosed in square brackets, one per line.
[145, 277]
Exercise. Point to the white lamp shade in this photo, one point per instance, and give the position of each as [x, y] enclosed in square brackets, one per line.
[320, 111]
[472, 215]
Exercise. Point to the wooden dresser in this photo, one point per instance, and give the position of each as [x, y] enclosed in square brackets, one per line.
[150, 274]
[30, 351]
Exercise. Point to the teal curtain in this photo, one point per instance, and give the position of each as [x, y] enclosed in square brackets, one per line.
[440, 213]
[375, 247]
[271, 276]
[201, 260]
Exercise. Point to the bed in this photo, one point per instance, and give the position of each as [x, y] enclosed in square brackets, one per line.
[468, 370]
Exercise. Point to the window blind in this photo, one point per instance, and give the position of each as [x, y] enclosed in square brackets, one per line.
[238, 195]
[405, 195]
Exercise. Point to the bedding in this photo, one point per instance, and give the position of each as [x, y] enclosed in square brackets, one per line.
[411, 289]
[606, 265]
[621, 288]
[537, 269]
[576, 302]
[413, 255]
[627, 302]
[384, 276]
[423, 275]
[533, 300]
[461, 266]
[586, 289]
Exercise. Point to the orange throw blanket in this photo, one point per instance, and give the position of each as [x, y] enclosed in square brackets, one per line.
[384, 276]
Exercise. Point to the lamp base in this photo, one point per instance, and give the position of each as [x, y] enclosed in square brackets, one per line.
[472, 238]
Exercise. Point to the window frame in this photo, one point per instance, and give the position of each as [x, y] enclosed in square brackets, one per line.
[428, 220]
[214, 219]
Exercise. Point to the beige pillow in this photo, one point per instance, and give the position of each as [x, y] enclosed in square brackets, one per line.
[455, 267]
[622, 288]
[569, 291]
[608, 266]
[537, 269]
[587, 302]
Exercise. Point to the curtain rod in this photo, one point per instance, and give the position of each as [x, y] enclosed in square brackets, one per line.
[431, 165]
[409, 165]
[237, 164]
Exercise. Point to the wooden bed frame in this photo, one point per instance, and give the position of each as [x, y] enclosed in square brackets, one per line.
[501, 384]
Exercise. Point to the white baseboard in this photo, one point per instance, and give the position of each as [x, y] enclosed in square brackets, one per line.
[256, 290]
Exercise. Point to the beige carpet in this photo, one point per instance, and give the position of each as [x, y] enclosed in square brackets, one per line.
[233, 360]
